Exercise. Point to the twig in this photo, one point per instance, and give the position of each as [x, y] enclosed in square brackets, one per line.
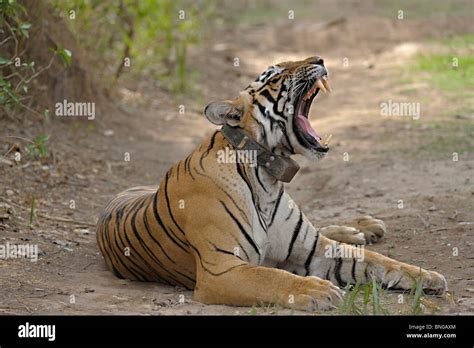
[423, 220]
[40, 71]
[30, 109]
[441, 229]
[24, 139]
[5, 41]
[24, 305]
[14, 38]
[130, 22]
[16, 73]
[11, 148]
[32, 210]
[61, 219]
[87, 266]
[49, 217]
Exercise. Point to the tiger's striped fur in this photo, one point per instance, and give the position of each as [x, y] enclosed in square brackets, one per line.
[230, 231]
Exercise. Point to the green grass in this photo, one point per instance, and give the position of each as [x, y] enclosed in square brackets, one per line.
[370, 298]
[444, 76]
[444, 138]
[269, 11]
[38, 147]
[459, 42]
[447, 129]
[422, 8]
[409, 91]
[253, 311]
[255, 16]
[436, 139]
[363, 299]
[451, 71]
[349, 304]
[33, 209]
[417, 293]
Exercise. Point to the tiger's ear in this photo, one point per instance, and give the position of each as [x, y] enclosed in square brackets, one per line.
[226, 111]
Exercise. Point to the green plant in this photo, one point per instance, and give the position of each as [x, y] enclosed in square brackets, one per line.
[358, 297]
[253, 311]
[38, 148]
[152, 35]
[349, 303]
[449, 73]
[376, 292]
[16, 70]
[32, 209]
[417, 293]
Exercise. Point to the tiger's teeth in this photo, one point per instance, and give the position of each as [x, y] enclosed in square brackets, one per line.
[328, 140]
[310, 93]
[326, 84]
[321, 86]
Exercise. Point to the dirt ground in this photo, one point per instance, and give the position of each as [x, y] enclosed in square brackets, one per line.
[374, 163]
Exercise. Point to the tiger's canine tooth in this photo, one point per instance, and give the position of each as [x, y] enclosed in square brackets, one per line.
[326, 84]
[328, 140]
[321, 86]
[310, 92]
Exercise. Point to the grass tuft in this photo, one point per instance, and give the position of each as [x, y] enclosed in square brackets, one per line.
[449, 73]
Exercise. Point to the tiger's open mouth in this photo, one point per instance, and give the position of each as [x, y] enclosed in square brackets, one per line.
[305, 133]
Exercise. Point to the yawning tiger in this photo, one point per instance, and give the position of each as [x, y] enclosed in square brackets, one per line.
[228, 229]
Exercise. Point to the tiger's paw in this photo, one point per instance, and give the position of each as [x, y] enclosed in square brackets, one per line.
[406, 276]
[344, 234]
[315, 294]
[372, 228]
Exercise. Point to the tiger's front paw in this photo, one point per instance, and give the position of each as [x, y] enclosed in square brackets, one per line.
[313, 293]
[372, 228]
[406, 276]
[435, 284]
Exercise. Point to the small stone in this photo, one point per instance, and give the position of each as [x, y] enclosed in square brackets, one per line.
[10, 193]
[83, 231]
[6, 210]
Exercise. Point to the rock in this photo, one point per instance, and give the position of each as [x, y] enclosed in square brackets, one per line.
[10, 193]
[6, 161]
[83, 231]
[60, 242]
[6, 211]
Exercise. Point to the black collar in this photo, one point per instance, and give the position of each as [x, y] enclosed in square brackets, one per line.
[280, 167]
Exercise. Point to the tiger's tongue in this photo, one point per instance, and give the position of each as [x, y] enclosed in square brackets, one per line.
[304, 123]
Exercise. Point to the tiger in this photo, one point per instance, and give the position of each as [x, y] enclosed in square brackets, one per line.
[224, 226]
